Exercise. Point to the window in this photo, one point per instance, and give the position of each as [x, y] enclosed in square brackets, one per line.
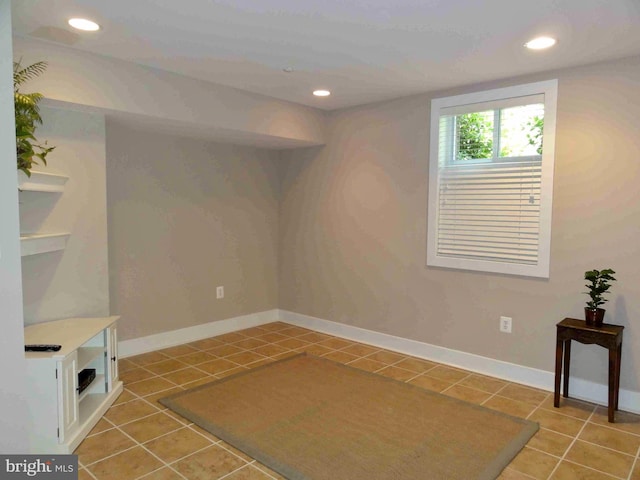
[491, 180]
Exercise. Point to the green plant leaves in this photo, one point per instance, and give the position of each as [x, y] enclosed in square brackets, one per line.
[27, 116]
[22, 74]
[598, 285]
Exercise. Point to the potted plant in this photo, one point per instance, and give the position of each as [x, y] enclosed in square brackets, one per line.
[27, 117]
[598, 284]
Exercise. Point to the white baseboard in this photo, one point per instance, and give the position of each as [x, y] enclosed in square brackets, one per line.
[159, 341]
[579, 388]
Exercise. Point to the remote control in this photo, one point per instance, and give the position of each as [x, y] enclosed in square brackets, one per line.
[42, 348]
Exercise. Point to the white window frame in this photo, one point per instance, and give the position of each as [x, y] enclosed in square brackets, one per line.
[547, 88]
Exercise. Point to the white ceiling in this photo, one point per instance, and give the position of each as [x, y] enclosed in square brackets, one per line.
[361, 50]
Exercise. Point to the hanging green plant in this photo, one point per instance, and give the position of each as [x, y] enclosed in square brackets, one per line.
[28, 117]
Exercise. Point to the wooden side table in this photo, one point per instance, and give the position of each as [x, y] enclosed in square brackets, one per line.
[607, 336]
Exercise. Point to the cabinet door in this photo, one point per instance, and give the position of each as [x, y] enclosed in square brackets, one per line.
[67, 372]
[112, 356]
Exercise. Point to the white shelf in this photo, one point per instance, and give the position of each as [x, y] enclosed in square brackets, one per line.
[96, 387]
[86, 355]
[34, 243]
[41, 182]
[93, 406]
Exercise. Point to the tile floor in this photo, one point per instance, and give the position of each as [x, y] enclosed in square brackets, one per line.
[139, 438]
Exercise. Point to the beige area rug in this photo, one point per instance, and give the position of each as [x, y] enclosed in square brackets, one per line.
[311, 418]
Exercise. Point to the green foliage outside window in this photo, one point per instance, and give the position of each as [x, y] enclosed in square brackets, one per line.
[475, 136]
[536, 127]
[521, 133]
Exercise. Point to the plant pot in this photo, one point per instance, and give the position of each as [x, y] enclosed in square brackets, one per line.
[594, 316]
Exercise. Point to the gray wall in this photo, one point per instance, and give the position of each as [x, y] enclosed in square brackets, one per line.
[184, 217]
[72, 282]
[168, 101]
[353, 229]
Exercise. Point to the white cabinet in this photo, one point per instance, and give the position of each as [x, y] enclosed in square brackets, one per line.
[112, 338]
[60, 415]
[67, 387]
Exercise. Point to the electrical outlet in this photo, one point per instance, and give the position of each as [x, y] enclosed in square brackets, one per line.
[219, 292]
[505, 324]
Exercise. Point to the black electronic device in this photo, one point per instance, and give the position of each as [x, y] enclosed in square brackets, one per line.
[85, 377]
[42, 348]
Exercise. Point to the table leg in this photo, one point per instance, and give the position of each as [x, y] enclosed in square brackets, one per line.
[618, 363]
[567, 367]
[556, 391]
[612, 383]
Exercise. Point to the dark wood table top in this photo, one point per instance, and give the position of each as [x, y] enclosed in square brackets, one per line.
[605, 329]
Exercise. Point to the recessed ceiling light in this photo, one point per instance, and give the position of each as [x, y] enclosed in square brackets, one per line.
[540, 43]
[84, 24]
[321, 93]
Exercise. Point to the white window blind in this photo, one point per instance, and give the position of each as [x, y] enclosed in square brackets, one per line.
[491, 172]
[490, 211]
